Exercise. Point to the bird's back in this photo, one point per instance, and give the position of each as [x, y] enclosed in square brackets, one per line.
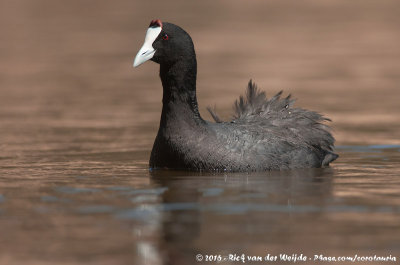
[271, 134]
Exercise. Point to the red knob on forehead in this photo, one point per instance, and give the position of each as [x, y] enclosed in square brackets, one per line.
[156, 23]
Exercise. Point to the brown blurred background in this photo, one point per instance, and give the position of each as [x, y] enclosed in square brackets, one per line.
[71, 62]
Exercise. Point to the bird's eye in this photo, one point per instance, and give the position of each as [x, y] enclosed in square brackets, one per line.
[165, 36]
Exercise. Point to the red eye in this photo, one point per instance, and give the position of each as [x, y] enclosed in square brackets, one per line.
[165, 37]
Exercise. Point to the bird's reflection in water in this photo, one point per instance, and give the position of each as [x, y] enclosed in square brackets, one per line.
[194, 204]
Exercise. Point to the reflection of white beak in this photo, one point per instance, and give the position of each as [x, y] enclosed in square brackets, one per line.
[147, 51]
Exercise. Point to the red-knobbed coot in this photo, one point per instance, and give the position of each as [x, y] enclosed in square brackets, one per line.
[265, 134]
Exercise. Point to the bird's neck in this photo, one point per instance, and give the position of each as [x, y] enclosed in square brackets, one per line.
[179, 90]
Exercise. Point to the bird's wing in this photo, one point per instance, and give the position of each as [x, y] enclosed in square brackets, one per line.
[276, 121]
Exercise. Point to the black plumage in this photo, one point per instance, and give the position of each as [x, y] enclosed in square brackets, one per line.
[265, 134]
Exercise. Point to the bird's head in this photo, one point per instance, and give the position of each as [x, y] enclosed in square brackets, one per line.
[165, 43]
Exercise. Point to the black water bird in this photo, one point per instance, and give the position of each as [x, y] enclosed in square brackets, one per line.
[265, 134]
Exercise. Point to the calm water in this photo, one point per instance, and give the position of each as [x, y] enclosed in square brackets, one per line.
[77, 124]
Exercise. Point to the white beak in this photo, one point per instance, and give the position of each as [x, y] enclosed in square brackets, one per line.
[147, 51]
